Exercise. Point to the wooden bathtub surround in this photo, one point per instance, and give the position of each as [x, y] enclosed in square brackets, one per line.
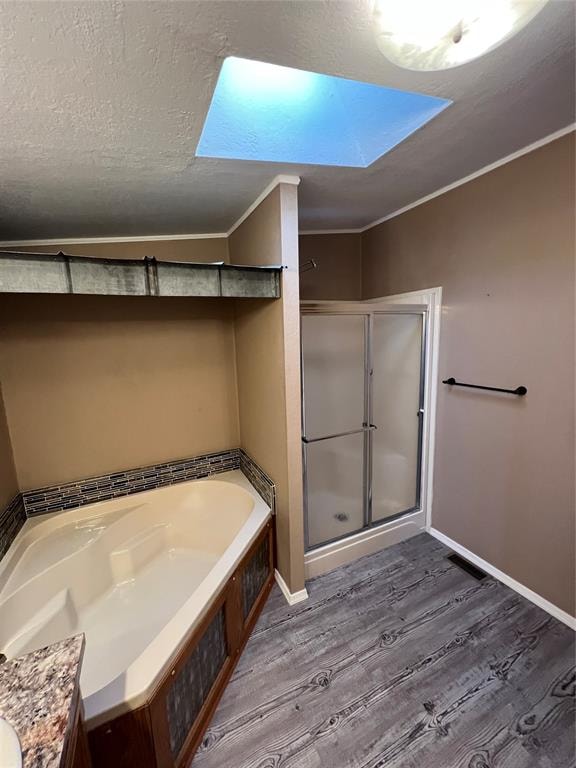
[142, 737]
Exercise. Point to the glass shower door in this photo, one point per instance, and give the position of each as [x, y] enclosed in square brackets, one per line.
[397, 393]
[334, 418]
[363, 391]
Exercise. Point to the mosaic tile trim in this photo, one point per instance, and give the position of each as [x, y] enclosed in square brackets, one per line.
[259, 479]
[57, 498]
[11, 520]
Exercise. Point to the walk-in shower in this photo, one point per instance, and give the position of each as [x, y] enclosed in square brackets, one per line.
[363, 369]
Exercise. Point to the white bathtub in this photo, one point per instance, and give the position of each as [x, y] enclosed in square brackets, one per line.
[135, 574]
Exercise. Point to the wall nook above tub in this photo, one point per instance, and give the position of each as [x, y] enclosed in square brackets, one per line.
[59, 273]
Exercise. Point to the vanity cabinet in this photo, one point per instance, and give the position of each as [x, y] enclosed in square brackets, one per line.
[77, 753]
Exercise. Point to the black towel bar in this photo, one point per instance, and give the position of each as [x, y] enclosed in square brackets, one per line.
[520, 391]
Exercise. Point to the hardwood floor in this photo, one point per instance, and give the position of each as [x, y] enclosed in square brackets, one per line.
[400, 660]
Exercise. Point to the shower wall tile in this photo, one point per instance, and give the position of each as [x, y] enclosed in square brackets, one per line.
[11, 520]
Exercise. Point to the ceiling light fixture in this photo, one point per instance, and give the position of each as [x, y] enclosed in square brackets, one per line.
[440, 34]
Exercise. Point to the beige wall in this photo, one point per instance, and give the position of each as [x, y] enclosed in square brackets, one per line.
[338, 275]
[99, 384]
[502, 248]
[258, 240]
[268, 369]
[8, 480]
[202, 249]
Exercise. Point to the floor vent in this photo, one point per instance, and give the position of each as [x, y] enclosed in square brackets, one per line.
[466, 566]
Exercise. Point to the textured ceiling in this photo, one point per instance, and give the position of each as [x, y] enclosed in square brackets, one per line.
[103, 104]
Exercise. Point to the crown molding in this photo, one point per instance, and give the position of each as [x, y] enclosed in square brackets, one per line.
[96, 240]
[280, 179]
[331, 232]
[486, 169]
[295, 180]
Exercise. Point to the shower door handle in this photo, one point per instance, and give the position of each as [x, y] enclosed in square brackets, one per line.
[364, 428]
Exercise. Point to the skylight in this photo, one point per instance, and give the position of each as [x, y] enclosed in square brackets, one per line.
[277, 114]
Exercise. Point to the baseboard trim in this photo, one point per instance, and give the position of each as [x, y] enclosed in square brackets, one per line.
[291, 597]
[529, 594]
[327, 558]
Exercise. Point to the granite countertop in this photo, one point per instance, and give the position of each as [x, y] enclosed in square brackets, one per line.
[38, 697]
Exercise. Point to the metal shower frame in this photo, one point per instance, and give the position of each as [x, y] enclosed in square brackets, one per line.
[368, 312]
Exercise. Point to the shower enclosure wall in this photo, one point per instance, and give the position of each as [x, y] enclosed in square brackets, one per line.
[363, 369]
